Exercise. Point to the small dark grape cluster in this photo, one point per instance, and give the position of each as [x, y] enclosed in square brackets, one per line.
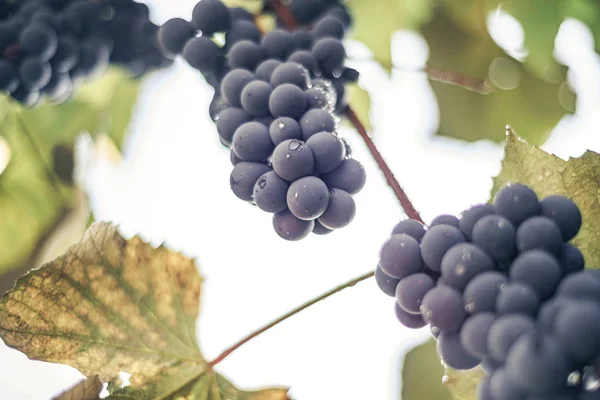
[48, 46]
[274, 106]
[501, 287]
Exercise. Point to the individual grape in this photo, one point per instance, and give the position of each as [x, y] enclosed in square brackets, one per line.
[38, 40]
[319, 229]
[287, 100]
[399, 256]
[537, 269]
[329, 54]
[67, 53]
[305, 11]
[341, 13]
[9, 78]
[474, 334]
[34, 73]
[411, 321]
[340, 211]
[315, 121]
[242, 30]
[252, 142]
[442, 307]
[317, 99]
[436, 242]
[217, 105]
[94, 58]
[411, 290]
[537, 363]
[202, 54]
[571, 260]
[27, 98]
[233, 83]
[482, 291]
[349, 176]
[469, 218]
[328, 151]
[245, 54]
[350, 75]
[278, 44]
[211, 16]
[292, 73]
[516, 203]
[240, 14]
[539, 233]
[489, 365]
[265, 69]
[483, 390]
[502, 387]
[291, 228]
[445, 219]
[244, 177]
[577, 326]
[308, 198]
[386, 283]
[235, 160]
[270, 193]
[329, 27]
[255, 98]
[462, 263]
[565, 213]
[284, 128]
[292, 159]
[496, 236]
[453, 353]
[505, 331]
[304, 58]
[584, 285]
[302, 40]
[411, 227]
[173, 35]
[229, 120]
[517, 298]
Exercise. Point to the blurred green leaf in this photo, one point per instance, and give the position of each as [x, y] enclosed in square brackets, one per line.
[422, 374]
[463, 384]
[32, 199]
[360, 100]
[527, 103]
[547, 174]
[375, 22]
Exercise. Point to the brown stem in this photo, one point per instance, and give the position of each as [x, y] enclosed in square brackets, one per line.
[285, 15]
[407, 205]
[288, 315]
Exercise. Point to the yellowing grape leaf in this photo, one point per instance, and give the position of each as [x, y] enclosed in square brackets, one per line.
[463, 384]
[109, 305]
[88, 389]
[577, 178]
[360, 101]
[529, 104]
[32, 199]
[422, 374]
[376, 21]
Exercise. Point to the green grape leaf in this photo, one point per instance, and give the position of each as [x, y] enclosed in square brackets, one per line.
[522, 100]
[547, 174]
[33, 199]
[422, 374]
[110, 304]
[375, 28]
[88, 389]
[360, 101]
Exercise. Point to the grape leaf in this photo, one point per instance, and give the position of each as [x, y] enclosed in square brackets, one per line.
[109, 305]
[463, 384]
[32, 199]
[360, 100]
[422, 374]
[577, 178]
[88, 389]
[375, 28]
[526, 102]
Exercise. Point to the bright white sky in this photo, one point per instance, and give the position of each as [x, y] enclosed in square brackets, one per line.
[173, 186]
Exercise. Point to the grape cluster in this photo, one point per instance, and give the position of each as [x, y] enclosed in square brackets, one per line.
[275, 100]
[48, 46]
[501, 287]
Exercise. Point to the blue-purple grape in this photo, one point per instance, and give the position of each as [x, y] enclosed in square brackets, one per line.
[38, 40]
[211, 16]
[517, 298]
[411, 321]
[265, 69]
[482, 291]
[443, 308]
[292, 159]
[571, 260]
[255, 98]
[505, 331]
[565, 214]
[386, 283]
[474, 334]
[303, 40]
[292, 73]
[496, 236]
[244, 177]
[328, 151]
[34, 73]
[445, 219]
[270, 193]
[340, 211]
[173, 35]
[252, 142]
[315, 121]
[577, 326]
[284, 128]
[436, 242]
[245, 54]
[539, 270]
[288, 100]
[400, 256]
[411, 227]
[539, 233]
[329, 54]
[242, 30]
[203, 54]
[317, 99]
[308, 198]
[319, 229]
[234, 83]
[549, 311]
[291, 228]
[411, 290]
[469, 218]
[329, 27]
[462, 263]
[502, 387]
[278, 44]
[453, 353]
[584, 285]
[229, 120]
[304, 58]
[516, 202]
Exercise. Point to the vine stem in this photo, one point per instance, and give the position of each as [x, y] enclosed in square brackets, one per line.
[286, 16]
[291, 313]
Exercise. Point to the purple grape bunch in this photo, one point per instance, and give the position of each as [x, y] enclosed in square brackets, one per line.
[47, 47]
[502, 288]
[275, 103]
